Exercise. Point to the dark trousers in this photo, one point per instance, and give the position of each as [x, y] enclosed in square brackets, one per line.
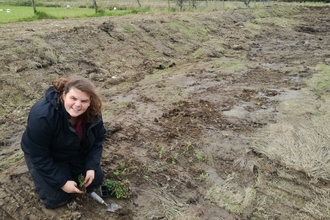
[53, 198]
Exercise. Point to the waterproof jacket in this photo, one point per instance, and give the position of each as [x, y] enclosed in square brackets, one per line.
[51, 141]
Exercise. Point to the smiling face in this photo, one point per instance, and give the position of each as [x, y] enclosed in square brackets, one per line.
[76, 102]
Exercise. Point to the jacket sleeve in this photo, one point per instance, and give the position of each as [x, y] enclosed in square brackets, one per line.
[39, 138]
[94, 154]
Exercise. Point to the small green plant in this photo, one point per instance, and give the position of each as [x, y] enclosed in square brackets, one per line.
[124, 172]
[210, 159]
[161, 152]
[150, 168]
[187, 147]
[203, 176]
[121, 165]
[199, 156]
[175, 158]
[119, 188]
[81, 180]
[116, 172]
[178, 130]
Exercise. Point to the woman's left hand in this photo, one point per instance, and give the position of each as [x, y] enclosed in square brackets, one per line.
[90, 174]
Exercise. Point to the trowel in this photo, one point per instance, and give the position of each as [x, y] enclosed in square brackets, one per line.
[112, 208]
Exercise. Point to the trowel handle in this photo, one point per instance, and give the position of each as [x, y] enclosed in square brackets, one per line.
[97, 198]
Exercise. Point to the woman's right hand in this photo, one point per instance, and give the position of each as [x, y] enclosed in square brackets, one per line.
[71, 187]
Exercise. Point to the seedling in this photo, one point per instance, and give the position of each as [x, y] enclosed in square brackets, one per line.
[150, 168]
[116, 173]
[203, 176]
[81, 183]
[175, 158]
[81, 180]
[210, 159]
[187, 147]
[199, 156]
[178, 131]
[121, 165]
[161, 152]
[124, 172]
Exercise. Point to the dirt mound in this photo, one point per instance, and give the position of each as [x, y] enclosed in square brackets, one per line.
[183, 93]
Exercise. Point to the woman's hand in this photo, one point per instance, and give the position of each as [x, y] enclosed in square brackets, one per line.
[71, 187]
[90, 175]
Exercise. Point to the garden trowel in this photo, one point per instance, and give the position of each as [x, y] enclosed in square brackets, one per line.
[112, 208]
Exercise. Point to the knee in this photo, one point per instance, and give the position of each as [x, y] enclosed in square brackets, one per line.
[55, 200]
[99, 176]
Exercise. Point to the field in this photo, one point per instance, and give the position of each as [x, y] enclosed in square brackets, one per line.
[21, 12]
[218, 114]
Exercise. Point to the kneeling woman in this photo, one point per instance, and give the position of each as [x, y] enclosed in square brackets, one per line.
[63, 139]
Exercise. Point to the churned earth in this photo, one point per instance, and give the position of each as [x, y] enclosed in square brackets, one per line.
[183, 95]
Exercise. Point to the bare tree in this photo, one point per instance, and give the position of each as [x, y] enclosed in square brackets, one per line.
[246, 2]
[139, 3]
[180, 4]
[95, 6]
[34, 7]
[194, 4]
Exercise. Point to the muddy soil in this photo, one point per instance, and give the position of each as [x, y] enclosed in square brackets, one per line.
[183, 94]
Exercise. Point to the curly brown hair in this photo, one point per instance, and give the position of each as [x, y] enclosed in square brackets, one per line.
[78, 82]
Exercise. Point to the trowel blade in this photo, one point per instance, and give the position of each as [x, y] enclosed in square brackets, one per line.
[113, 207]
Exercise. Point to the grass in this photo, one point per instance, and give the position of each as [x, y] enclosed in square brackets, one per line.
[21, 11]
[232, 201]
[298, 142]
[189, 33]
[234, 66]
[282, 22]
[298, 146]
[25, 13]
[321, 83]
[11, 159]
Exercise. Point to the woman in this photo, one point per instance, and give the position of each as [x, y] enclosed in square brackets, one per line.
[63, 140]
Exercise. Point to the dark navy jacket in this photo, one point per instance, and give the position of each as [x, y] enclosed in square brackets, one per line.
[50, 140]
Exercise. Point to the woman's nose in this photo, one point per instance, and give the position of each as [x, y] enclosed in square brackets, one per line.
[78, 103]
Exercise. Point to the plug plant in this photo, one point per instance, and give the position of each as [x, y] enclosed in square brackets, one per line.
[81, 183]
[81, 179]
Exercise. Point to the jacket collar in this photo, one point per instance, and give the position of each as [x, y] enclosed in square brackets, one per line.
[52, 97]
